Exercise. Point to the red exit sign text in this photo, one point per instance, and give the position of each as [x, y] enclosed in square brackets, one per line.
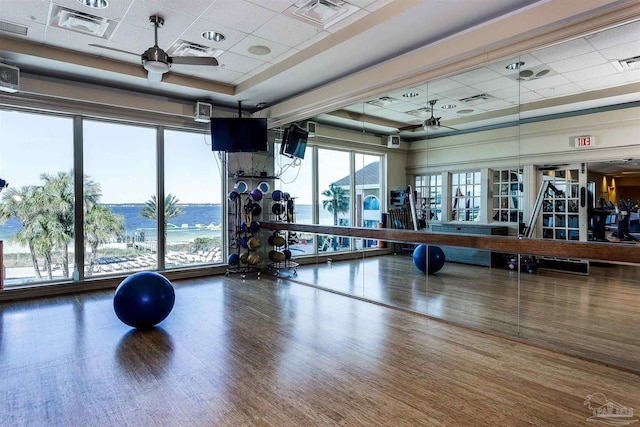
[584, 141]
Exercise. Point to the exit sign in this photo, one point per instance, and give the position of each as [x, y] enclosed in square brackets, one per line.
[584, 141]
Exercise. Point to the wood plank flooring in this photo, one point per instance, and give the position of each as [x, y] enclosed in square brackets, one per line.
[595, 316]
[270, 352]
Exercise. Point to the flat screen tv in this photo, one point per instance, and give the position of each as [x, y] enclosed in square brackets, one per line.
[294, 142]
[238, 134]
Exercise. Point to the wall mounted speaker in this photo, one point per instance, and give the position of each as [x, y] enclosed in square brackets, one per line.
[203, 112]
[393, 141]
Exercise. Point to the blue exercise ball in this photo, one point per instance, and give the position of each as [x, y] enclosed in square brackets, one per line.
[144, 299]
[233, 259]
[436, 258]
[276, 196]
[287, 254]
[254, 226]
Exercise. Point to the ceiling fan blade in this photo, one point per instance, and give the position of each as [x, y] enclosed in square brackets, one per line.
[113, 49]
[448, 127]
[409, 128]
[193, 60]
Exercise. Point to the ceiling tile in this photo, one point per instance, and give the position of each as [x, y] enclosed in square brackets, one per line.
[495, 84]
[608, 81]
[242, 48]
[21, 12]
[578, 62]
[278, 6]
[440, 86]
[529, 96]
[240, 63]
[288, 53]
[509, 92]
[459, 93]
[192, 8]
[559, 90]
[596, 71]
[623, 51]
[475, 76]
[238, 14]
[72, 40]
[562, 51]
[175, 23]
[632, 75]
[545, 82]
[615, 36]
[286, 30]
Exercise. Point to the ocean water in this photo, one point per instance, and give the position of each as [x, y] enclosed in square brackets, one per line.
[194, 216]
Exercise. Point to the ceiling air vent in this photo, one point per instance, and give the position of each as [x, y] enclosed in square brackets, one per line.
[8, 27]
[476, 99]
[80, 22]
[186, 48]
[420, 112]
[382, 102]
[627, 64]
[321, 13]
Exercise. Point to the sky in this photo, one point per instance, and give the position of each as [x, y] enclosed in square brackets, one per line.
[122, 159]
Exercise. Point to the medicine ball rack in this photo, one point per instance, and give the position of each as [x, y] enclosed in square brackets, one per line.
[282, 210]
[242, 230]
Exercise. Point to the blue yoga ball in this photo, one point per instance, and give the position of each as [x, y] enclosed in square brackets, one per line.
[436, 258]
[233, 259]
[276, 196]
[144, 299]
[287, 254]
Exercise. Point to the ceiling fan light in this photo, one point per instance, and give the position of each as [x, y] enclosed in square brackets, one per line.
[156, 67]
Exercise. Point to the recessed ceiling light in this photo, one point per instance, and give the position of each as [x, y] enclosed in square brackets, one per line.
[213, 36]
[98, 4]
[514, 65]
[410, 94]
[448, 106]
[465, 111]
[259, 50]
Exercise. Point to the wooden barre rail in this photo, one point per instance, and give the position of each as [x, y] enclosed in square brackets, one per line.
[596, 251]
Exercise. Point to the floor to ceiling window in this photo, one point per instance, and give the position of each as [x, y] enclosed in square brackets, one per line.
[295, 178]
[119, 198]
[193, 192]
[36, 210]
[334, 196]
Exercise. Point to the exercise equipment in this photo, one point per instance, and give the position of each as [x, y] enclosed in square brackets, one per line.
[144, 299]
[256, 195]
[276, 196]
[433, 264]
[233, 259]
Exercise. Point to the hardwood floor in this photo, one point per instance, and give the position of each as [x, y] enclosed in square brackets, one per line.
[270, 352]
[595, 316]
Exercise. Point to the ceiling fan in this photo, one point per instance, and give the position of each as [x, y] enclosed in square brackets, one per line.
[430, 123]
[156, 61]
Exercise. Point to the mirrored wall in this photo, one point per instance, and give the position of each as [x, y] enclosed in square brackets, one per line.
[544, 145]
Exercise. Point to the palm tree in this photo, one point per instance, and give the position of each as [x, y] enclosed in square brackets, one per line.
[171, 209]
[337, 202]
[59, 203]
[100, 226]
[24, 205]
